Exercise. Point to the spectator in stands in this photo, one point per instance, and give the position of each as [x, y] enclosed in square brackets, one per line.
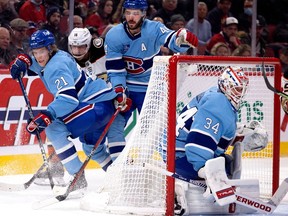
[52, 24]
[169, 8]
[177, 21]
[6, 55]
[218, 15]
[283, 56]
[245, 18]
[281, 31]
[242, 50]
[81, 8]
[246, 38]
[203, 32]
[61, 4]
[228, 35]
[77, 21]
[7, 12]
[33, 12]
[19, 38]
[220, 49]
[101, 18]
[151, 11]
[164, 50]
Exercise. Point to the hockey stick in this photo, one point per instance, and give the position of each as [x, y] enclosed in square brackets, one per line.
[69, 188]
[244, 200]
[20, 187]
[43, 153]
[269, 86]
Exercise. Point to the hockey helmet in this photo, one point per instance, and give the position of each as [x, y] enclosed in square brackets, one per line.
[135, 4]
[79, 37]
[41, 38]
[234, 84]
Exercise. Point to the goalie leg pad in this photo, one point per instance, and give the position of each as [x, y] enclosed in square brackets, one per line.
[216, 180]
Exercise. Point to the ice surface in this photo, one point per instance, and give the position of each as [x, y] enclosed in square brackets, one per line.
[20, 202]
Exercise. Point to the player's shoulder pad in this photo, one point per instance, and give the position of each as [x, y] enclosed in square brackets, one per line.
[98, 42]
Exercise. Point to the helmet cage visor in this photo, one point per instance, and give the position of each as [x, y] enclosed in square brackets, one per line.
[234, 84]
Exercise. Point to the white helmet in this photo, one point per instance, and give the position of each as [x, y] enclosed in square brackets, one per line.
[233, 83]
[79, 37]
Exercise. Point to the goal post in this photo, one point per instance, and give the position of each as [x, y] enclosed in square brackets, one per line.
[129, 188]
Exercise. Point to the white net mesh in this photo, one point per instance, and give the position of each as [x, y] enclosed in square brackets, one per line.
[130, 188]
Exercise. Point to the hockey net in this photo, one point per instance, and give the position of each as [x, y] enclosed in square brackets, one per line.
[131, 189]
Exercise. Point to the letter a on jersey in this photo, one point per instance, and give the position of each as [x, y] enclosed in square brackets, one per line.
[143, 47]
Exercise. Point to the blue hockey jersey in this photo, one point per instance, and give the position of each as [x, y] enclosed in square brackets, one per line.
[205, 127]
[129, 59]
[65, 80]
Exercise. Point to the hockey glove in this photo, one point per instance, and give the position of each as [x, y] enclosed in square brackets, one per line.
[40, 122]
[284, 100]
[121, 99]
[19, 66]
[184, 36]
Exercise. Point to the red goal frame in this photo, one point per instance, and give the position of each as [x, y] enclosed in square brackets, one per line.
[172, 79]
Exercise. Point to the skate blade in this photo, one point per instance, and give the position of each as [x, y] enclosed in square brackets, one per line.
[59, 181]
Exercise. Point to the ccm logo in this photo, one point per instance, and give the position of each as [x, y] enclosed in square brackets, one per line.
[254, 203]
[225, 193]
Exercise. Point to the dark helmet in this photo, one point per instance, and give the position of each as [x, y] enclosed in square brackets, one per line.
[135, 4]
[41, 38]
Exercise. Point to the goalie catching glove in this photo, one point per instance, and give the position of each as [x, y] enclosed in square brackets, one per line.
[185, 37]
[254, 136]
[39, 123]
[19, 66]
[121, 99]
[284, 100]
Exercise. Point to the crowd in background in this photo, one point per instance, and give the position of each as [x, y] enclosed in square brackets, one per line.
[223, 27]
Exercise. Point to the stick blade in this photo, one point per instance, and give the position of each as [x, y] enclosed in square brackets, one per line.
[280, 193]
[45, 203]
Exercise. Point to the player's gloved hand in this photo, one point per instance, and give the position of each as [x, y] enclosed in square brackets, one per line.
[184, 36]
[284, 100]
[19, 66]
[121, 99]
[40, 122]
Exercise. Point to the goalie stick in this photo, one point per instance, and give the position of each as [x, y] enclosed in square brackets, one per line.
[241, 199]
[20, 187]
[269, 86]
[63, 194]
[43, 153]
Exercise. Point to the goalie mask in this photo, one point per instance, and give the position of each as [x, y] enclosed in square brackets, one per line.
[234, 84]
[79, 42]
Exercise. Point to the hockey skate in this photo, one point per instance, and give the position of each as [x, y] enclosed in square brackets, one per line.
[81, 183]
[77, 191]
[56, 170]
[180, 206]
[57, 173]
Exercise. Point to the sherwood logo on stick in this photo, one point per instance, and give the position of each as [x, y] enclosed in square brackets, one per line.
[253, 203]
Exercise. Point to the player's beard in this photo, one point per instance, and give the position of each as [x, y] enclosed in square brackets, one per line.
[133, 26]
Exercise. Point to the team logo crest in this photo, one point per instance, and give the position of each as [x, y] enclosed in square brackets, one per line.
[98, 42]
